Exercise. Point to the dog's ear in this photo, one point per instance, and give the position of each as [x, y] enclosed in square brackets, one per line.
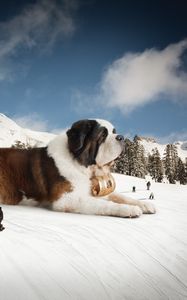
[83, 141]
[76, 139]
[78, 133]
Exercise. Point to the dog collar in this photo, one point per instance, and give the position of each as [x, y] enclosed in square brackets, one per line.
[102, 185]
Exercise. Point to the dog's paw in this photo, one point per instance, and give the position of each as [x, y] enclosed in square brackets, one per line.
[135, 211]
[131, 211]
[147, 207]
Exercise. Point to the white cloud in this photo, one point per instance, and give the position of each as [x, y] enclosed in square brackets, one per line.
[5, 72]
[32, 121]
[58, 131]
[140, 78]
[173, 137]
[39, 25]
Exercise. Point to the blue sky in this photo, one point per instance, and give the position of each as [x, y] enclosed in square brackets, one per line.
[125, 61]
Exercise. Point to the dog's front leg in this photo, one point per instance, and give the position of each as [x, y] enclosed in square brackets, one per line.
[146, 206]
[95, 206]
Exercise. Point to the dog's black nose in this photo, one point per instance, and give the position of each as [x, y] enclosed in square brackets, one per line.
[119, 138]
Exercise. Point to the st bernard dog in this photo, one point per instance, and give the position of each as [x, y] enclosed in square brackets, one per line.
[70, 174]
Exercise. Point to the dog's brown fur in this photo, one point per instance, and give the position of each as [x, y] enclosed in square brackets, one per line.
[31, 171]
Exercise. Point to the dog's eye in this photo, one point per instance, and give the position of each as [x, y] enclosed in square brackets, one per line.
[114, 130]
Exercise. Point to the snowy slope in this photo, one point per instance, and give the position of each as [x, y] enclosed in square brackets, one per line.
[150, 144]
[10, 132]
[58, 256]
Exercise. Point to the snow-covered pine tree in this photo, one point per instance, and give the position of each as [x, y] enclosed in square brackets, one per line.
[20, 145]
[160, 173]
[123, 162]
[155, 166]
[185, 168]
[181, 176]
[175, 158]
[129, 152]
[150, 164]
[138, 159]
[170, 162]
[119, 164]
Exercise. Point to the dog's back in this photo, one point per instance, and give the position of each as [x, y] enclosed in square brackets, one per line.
[27, 172]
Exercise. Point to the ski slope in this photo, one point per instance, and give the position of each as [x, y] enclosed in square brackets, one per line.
[57, 256]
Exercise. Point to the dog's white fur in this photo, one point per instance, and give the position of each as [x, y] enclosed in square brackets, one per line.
[111, 148]
[80, 199]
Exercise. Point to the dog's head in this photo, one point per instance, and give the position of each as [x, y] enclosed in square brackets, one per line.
[94, 142]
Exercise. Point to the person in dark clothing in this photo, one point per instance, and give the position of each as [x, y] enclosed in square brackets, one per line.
[134, 189]
[148, 185]
[151, 196]
[1, 219]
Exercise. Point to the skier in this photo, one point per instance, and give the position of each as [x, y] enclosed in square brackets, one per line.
[134, 189]
[151, 196]
[148, 185]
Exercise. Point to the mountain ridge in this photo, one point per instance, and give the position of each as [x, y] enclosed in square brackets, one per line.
[11, 132]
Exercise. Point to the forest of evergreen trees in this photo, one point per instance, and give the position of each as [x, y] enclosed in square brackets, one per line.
[133, 162]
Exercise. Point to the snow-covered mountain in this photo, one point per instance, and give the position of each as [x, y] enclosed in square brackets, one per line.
[10, 133]
[150, 144]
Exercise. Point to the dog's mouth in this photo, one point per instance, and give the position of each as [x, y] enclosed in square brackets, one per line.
[110, 164]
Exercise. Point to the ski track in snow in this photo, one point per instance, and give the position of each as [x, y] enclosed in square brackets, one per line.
[58, 256]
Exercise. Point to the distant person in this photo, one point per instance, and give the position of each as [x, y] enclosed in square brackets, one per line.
[148, 185]
[151, 196]
[1, 219]
[134, 189]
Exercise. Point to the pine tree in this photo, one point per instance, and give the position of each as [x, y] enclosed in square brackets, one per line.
[129, 152]
[185, 169]
[20, 145]
[150, 164]
[138, 159]
[181, 174]
[123, 162]
[132, 161]
[155, 166]
[119, 164]
[170, 162]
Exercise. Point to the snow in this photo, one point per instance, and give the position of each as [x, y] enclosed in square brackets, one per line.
[10, 132]
[150, 145]
[50, 255]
